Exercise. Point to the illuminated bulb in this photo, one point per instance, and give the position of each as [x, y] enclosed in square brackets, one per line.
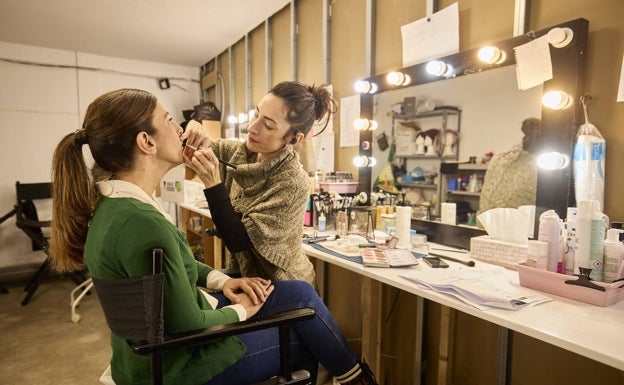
[243, 117]
[398, 79]
[360, 161]
[436, 68]
[560, 37]
[553, 160]
[365, 87]
[372, 161]
[556, 100]
[492, 55]
[252, 114]
[232, 119]
[364, 124]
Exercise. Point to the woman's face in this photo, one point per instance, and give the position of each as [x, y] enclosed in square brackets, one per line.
[266, 133]
[169, 144]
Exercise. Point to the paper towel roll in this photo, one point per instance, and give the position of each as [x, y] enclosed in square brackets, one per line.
[403, 226]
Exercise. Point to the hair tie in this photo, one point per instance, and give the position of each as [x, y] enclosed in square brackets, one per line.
[80, 136]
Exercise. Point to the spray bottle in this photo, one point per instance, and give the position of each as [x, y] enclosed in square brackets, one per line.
[550, 231]
[590, 229]
[613, 254]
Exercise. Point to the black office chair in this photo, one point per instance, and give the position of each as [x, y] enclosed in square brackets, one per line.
[133, 308]
[27, 219]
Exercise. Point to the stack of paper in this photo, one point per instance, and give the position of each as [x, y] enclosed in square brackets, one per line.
[482, 288]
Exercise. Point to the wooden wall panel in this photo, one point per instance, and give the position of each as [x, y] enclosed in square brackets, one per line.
[310, 42]
[280, 26]
[258, 64]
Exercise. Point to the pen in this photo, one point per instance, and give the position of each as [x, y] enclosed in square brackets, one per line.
[467, 263]
[219, 159]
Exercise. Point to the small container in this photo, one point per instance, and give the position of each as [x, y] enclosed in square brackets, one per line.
[537, 254]
[322, 223]
[419, 241]
[342, 223]
[388, 223]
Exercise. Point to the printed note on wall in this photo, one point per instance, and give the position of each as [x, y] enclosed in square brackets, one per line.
[431, 37]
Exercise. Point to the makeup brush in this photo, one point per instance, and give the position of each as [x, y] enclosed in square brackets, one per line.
[184, 144]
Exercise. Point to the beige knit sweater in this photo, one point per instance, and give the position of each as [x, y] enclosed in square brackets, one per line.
[272, 196]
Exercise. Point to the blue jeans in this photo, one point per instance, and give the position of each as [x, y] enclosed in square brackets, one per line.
[316, 340]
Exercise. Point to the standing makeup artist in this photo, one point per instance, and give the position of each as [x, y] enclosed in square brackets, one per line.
[258, 207]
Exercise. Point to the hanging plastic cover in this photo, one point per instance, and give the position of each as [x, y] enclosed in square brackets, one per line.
[589, 161]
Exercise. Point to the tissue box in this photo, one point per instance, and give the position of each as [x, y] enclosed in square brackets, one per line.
[175, 188]
[497, 252]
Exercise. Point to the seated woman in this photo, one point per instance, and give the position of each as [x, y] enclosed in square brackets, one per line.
[511, 176]
[258, 208]
[111, 221]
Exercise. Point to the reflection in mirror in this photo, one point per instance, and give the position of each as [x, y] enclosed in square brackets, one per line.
[491, 107]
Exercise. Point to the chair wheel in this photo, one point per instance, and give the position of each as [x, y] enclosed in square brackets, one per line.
[75, 318]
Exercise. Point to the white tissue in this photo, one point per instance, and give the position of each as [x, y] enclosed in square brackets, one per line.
[506, 224]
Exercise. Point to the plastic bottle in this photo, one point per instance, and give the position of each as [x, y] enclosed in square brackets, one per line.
[570, 240]
[613, 254]
[589, 164]
[322, 223]
[537, 254]
[590, 229]
[550, 231]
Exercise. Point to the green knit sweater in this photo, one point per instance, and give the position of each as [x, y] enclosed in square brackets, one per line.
[119, 242]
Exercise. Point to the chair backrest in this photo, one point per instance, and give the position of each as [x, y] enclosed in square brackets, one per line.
[133, 307]
[26, 214]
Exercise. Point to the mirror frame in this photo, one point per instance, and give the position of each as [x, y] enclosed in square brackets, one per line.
[555, 188]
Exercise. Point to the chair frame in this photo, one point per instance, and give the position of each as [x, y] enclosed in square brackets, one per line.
[26, 192]
[155, 345]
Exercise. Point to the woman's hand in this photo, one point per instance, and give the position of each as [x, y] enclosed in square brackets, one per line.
[249, 292]
[198, 154]
[256, 289]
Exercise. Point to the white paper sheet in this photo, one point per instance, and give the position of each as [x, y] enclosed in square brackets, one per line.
[349, 112]
[533, 63]
[484, 288]
[431, 37]
[620, 96]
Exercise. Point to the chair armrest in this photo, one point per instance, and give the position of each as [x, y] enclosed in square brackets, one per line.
[226, 330]
[32, 223]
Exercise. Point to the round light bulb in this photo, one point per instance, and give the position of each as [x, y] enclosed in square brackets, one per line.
[556, 100]
[242, 117]
[360, 161]
[491, 55]
[560, 37]
[553, 160]
[360, 124]
[232, 119]
[372, 161]
[362, 86]
[436, 67]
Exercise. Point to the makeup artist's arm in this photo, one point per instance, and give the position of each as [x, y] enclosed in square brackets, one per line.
[227, 220]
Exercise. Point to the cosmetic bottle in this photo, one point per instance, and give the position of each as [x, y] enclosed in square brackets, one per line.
[590, 229]
[322, 223]
[550, 232]
[613, 254]
[570, 240]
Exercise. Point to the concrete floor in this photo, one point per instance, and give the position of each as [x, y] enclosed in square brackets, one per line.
[41, 346]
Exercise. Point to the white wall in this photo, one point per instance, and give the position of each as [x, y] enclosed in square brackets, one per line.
[41, 104]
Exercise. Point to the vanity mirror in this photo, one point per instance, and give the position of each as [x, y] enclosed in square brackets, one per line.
[555, 187]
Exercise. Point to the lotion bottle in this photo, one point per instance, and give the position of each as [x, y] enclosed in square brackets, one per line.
[550, 231]
[613, 254]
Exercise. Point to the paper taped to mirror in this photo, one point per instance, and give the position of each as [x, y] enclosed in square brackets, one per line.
[497, 252]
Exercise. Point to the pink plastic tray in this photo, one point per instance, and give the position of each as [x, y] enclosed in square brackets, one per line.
[554, 283]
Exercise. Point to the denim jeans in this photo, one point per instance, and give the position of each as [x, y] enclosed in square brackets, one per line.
[316, 340]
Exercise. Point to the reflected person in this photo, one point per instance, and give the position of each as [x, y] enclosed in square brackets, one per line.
[511, 176]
